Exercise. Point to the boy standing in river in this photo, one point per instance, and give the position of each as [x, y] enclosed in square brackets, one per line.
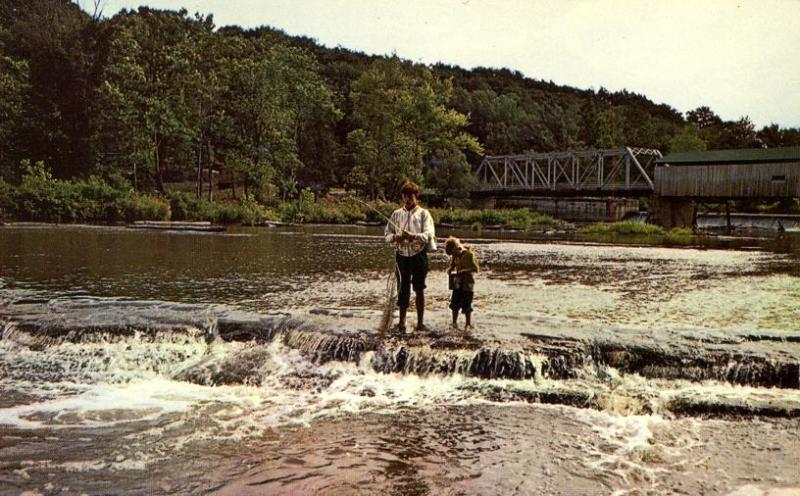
[463, 266]
[410, 229]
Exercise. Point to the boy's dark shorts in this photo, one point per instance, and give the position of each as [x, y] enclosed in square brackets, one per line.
[461, 300]
[411, 273]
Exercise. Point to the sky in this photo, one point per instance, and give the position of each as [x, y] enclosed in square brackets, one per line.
[741, 58]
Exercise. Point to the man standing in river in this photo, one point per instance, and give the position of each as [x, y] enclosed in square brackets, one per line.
[410, 229]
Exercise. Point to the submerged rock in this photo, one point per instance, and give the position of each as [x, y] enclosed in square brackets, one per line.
[485, 363]
[323, 347]
[597, 357]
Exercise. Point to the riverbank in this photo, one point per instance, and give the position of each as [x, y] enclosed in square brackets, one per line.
[41, 197]
[96, 202]
[636, 232]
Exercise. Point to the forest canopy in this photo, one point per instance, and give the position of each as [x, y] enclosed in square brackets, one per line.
[150, 98]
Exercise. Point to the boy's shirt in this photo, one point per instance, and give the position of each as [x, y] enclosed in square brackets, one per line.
[416, 221]
[465, 265]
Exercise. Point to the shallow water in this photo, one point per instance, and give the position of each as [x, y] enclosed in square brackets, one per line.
[119, 374]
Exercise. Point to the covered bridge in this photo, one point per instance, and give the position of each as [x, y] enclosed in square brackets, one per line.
[684, 178]
[762, 173]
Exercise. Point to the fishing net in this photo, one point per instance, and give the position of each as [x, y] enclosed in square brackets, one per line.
[388, 306]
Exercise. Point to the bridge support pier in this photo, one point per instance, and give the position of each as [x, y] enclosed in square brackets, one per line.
[673, 212]
[484, 202]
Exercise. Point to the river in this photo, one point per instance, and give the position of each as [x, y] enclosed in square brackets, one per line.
[250, 362]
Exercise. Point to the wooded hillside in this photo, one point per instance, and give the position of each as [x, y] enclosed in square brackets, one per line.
[149, 98]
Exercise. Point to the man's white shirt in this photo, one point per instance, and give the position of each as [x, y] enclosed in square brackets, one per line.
[418, 222]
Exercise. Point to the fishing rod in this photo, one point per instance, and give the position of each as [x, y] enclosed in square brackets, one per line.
[396, 227]
[359, 200]
[391, 281]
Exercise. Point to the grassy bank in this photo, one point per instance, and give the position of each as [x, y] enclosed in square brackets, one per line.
[41, 197]
[349, 210]
[520, 218]
[635, 232]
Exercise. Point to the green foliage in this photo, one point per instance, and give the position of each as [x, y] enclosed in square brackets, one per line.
[146, 207]
[279, 118]
[53, 47]
[187, 207]
[151, 102]
[251, 212]
[309, 210]
[182, 205]
[632, 232]
[348, 210]
[14, 102]
[679, 235]
[403, 119]
[520, 218]
[451, 175]
[359, 211]
[719, 134]
[687, 140]
[7, 201]
[623, 228]
[97, 200]
[41, 197]
[385, 210]
[773, 136]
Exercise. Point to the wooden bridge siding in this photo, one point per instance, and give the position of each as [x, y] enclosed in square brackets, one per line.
[729, 181]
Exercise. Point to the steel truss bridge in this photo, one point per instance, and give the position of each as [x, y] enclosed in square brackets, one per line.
[615, 171]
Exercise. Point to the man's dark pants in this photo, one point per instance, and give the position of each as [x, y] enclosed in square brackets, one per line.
[411, 272]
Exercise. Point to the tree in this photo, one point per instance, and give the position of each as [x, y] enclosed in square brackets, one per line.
[149, 105]
[703, 117]
[450, 174]
[260, 137]
[403, 118]
[311, 113]
[56, 40]
[773, 136]
[738, 134]
[14, 101]
[687, 140]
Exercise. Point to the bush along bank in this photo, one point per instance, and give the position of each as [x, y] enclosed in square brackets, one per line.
[187, 207]
[519, 219]
[41, 197]
[350, 210]
[635, 232]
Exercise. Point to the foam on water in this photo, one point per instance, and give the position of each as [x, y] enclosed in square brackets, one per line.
[106, 405]
[630, 450]
[293, 388]
[111, 361]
